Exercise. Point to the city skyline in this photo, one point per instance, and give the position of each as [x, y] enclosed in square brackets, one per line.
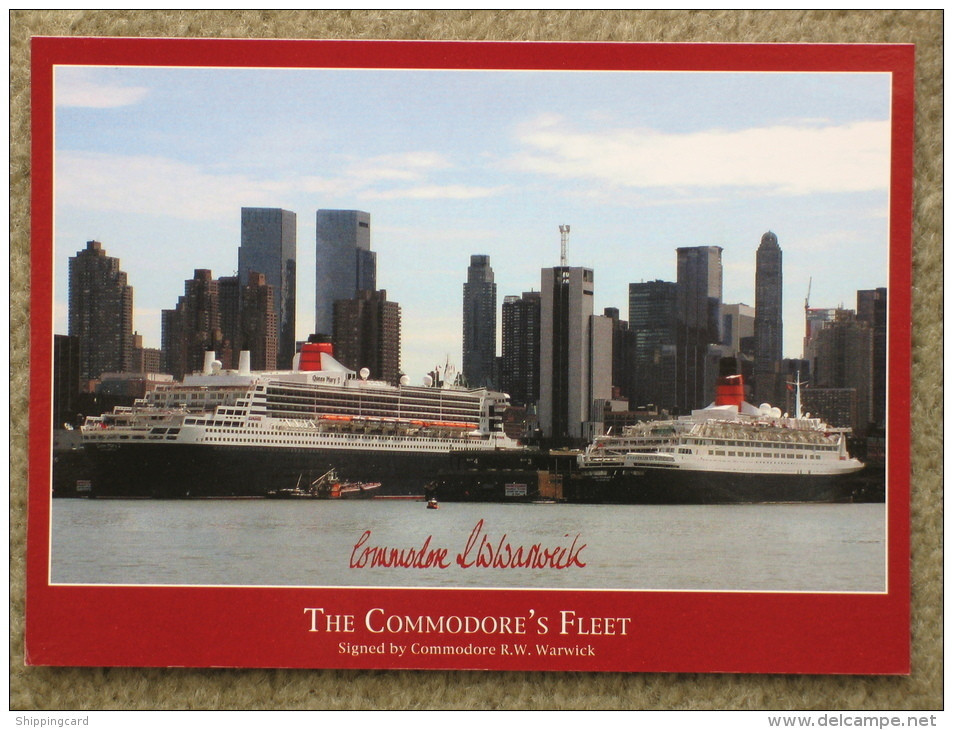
[157, 164]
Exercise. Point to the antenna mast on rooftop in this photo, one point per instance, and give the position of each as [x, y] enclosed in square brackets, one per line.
[564, 239]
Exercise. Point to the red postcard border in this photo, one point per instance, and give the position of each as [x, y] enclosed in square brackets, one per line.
[267, 627]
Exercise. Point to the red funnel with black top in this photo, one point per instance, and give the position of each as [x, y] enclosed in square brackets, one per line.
[730, 391]
[310, 360]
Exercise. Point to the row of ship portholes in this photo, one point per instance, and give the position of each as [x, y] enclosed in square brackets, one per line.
[755, 455]
[329, 438]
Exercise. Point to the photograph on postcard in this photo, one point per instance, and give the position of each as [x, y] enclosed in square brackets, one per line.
[610, 330]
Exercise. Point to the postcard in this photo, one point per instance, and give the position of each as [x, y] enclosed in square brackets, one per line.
[470, 355]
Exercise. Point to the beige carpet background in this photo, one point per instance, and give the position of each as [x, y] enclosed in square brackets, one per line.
[103, 688]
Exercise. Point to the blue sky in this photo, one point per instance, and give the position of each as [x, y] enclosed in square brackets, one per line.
[157, 162]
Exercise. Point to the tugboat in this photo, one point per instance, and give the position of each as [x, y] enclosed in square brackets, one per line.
[326, 486]
[432, 503]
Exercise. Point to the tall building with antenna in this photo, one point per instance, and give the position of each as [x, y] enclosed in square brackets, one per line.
[575, 345]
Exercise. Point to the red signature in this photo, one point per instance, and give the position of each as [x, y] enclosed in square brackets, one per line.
[480, 552]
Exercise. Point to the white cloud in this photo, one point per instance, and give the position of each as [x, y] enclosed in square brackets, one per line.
[156, 185]
[438, 235]
[436, 192]
[76, 88]
[783, 159]
[370, 179]
[152, 185]
[315, 185]
[829, 241]
[409, 166]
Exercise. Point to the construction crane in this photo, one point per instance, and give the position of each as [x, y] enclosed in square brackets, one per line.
[807, 320]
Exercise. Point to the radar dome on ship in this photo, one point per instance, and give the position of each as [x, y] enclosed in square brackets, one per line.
[428, 381]
[365, 373]
[404, 380]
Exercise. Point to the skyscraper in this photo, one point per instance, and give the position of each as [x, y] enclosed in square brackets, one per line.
[367, 334]
[623, 354]
[269, 245]
[479, 323]
[575, 354]
[66, 379]
[815, 319]
[653, 320]
[344, 262]
[222, 316]
[193, 327]
[519, 371]
[144, 359]
[698, 309]
[843, 358]
[737, 339]
[230, 319]
[258, 328]
[767, 320]
[737, 328]
[100, 312]
[872, 309]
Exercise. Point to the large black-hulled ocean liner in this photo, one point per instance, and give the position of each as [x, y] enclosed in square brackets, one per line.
[238, 433]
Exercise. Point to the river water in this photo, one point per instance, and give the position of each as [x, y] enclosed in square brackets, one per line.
[778, 547]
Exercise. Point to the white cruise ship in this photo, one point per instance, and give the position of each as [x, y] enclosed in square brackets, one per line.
[729, 451]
